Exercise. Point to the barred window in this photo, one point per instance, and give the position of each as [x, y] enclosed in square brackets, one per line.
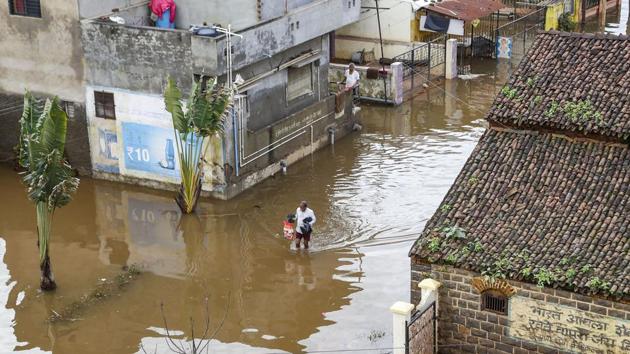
[104, 105]
[494, 301]
[25, 8]
[300, 82]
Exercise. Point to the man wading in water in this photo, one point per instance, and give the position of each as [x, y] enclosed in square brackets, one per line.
[305, 220]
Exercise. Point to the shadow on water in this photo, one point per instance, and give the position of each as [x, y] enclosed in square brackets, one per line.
[372, 193]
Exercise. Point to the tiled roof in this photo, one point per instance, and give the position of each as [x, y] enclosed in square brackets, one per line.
[574, 83]
[466, 10]
[539, 208]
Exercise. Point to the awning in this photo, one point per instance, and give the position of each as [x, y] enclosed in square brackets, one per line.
[466, 10]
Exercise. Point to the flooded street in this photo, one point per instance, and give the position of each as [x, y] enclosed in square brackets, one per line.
[372, 193]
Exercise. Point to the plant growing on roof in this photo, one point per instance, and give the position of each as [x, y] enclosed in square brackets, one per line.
[582, 111]
[499, 268]
[453, 232]
[587, 268]
[434, 244]
[508, 92]
[202, 120]
[49, 178]
[596, 284]
[537, 99]
[552, 110]
[570, 274]
[544, 277]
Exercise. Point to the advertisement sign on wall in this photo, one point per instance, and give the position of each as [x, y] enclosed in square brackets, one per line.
[149, 149]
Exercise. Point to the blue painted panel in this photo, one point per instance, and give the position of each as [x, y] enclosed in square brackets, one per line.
[150, 149]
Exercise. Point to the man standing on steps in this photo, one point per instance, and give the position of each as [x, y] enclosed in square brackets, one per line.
[305, 221]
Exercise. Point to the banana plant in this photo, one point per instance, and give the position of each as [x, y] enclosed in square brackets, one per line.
[201, 120]
[49, 179]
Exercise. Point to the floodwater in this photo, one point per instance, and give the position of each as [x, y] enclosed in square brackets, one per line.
[372, 193]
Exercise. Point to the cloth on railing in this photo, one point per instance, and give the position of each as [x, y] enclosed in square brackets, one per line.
[437, 23]
[159, 7]
[340, 101]
[372, 73]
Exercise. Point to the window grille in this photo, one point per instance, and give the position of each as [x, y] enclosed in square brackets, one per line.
[104, 105]
[494, 301]
[25, 8]
[300, 82]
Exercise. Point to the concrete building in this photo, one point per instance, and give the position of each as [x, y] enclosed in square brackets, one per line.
[283, 110]
[530, 244]
[42, 52]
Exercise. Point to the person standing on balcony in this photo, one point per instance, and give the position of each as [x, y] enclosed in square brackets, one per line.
[305, 221]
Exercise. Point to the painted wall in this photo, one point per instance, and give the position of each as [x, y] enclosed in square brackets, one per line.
[42, 54]
[91, 8]
[465, 327]
[268, 98]
[136, 59]
[274, 37]
[240, 13]
[396, 21]
[345, 46]
[139, 143]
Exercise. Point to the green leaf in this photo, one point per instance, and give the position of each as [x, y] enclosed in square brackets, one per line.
[55, 124]
[29, 127]
[172, 101]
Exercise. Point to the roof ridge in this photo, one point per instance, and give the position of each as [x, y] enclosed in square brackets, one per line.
[597, 35]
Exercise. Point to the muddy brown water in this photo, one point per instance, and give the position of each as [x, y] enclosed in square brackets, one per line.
[372, 193]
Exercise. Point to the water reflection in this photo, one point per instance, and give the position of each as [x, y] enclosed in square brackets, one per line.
[372, 194]
[186, 258]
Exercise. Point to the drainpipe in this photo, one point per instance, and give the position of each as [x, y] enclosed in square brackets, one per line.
[235, 130]
[376, 100]
[331, 133]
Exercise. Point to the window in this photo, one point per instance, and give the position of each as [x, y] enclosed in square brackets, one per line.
[25, 8]
[104, 105]
[494, 301]
[69, 108]
[300, 82]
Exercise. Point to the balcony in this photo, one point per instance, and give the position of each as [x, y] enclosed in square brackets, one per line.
[131, 52]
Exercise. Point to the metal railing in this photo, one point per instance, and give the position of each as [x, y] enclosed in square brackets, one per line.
[421, 61]
[523, 29]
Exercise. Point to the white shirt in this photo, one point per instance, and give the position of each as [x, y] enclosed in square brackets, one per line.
[351, 79]
[301, 215]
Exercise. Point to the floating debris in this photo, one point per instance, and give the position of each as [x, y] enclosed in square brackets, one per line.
[105, 289]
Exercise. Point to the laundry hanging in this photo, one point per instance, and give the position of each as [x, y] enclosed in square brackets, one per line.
[437, 23]
[164, 9]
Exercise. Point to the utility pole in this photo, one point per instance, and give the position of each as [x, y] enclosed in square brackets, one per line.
[230, 83]
[228, 47]
[582, 15]
[602, 15]
[380, 35]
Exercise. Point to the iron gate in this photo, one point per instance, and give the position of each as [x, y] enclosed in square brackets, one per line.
[421, 332]
[422, 63]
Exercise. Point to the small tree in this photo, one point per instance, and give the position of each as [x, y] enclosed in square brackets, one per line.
[566, 23]
[203, 119]
[49, 178]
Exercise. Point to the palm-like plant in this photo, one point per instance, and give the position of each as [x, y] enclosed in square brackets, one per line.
[49, 178]
[203, 119]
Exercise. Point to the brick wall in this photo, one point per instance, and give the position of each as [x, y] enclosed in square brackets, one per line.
[463, 327]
